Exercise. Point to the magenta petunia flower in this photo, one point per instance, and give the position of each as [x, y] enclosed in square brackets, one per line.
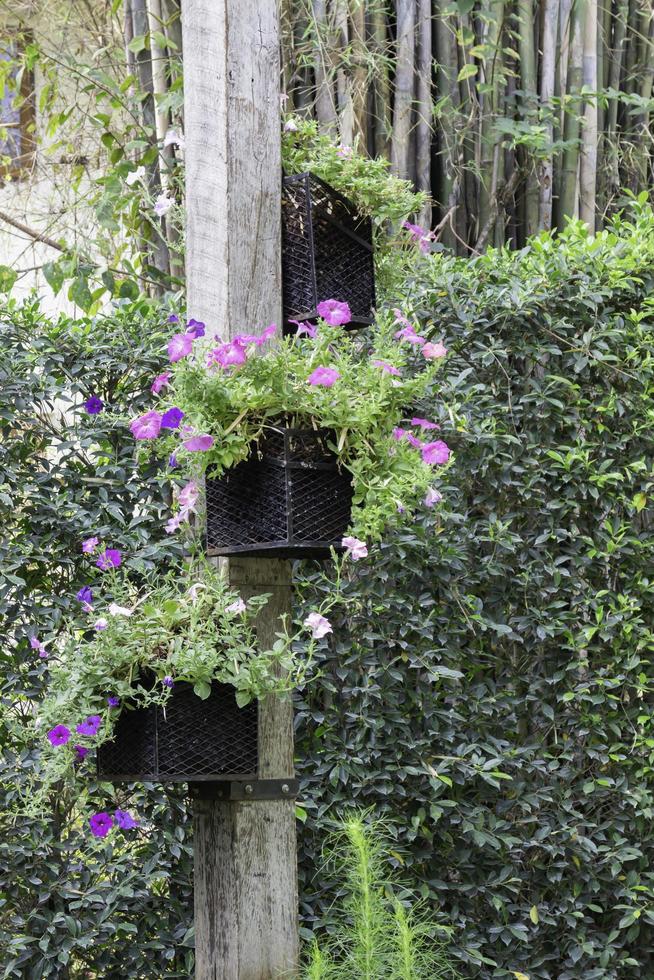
[89, 546]
[420, 236]
[113, 702]
[196, 328]
[85, 595]
[236, 607]
[334, 313]
[411, 439]
[409, 334]
[304, 327]
[36, 644]
[94, 405]
[386, 367]
[100, 824]
[432, 497]
[344, 151]
[110, 558]
[199, 444]
[172, 418]
[58, 735]
[227, 355]
[81, 752]
[168, 681]
[355, 548]
[90, 726]
[323, 377]
[424, 423]
[267, 334]
[398, 433]
[319, 625]
[125, 820]
[401, 318]
[433, 351]
[180, 345]
[436, 452]
[160, 382]
[147, 426]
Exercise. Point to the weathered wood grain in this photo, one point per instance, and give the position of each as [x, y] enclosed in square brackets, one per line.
[245, 853]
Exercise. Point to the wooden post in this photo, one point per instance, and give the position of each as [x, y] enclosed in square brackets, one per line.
[245, 853]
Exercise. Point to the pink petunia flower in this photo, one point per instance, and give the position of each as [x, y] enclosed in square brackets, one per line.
[355, 548]
[180, 345]
[175, 522]
[116, 610]
[36, 644]
[100, 624]
[409, 334]
[386, 367]
[424, 423]
[199, 444]
[89, 546]
[290, 126]
[411, 439]
[344, 151]
[236, 607]
[334, 313]
[188, 496]
[267, 334]
[58, 735]
[147, 426]
[100, 824]
[228, 355]
[419, 236]
[323, 377]
[436, 452]
[433, 351]
[398, 433]
[432, 497]
[304, 327]
[160, 382]
[163, 204]
[319, 625]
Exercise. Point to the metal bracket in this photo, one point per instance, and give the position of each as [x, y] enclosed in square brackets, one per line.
[246, 790]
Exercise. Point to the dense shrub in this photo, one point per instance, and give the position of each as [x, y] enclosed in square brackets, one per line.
[492, 696]
[70, 907]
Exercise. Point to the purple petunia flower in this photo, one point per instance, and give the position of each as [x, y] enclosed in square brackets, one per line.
[89, 546]
[173, 318]
[110, 558]
[436, 452]
[36, 644]
[125, 820]
[333, 312]
[425, 423]
[160, 382]
[100, 624]
[323, 377]
[90, 726]
[172, 418]
[432, 497]
[172, 461]
[180, 345]
[163, 205]
[195, 328]
[58, 735]
[168, 681]
[85, 595]
[81, 752]
[146, 426]
[199, 444]
[94, 405]
[386, 367]
[113, 702]
[100, 824]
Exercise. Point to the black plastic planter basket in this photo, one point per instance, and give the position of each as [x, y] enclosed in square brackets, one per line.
[326, 252]
[190, 741]
[289, 499]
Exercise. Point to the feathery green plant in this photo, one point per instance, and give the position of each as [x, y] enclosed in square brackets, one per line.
[379, 938]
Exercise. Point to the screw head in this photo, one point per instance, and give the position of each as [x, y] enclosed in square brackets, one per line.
[284, 787]
[248, 789]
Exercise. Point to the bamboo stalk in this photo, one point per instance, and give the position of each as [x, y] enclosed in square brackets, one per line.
[359, 72]
[490, 156]
[527, 51]
[343, 78]
[381, 87]
[324, 99]
[588, 154]
[615, 71]
[424, 107]
[571, 127]
[404, 88]
[547, 74]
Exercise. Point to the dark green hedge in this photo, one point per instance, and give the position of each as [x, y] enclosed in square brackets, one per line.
[493, 695]
[67, 904]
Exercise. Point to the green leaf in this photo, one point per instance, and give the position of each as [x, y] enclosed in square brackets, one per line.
[533, 914]
[7, 278]
[202, 689]
[468, 71]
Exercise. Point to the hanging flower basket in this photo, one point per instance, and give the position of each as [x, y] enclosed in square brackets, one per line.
[289, 499]
[190, 740]
[326, 251]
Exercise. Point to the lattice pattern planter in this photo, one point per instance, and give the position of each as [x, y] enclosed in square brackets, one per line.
[326, 252]
[190, 741]
[290, 499]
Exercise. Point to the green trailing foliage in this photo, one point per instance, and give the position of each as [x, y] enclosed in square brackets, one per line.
[493, 696]
[378, 933]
